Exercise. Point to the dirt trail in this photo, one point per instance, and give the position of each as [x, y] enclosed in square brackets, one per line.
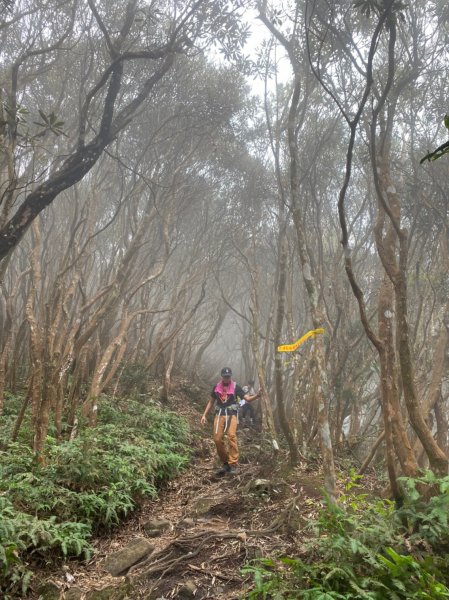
[216, 525]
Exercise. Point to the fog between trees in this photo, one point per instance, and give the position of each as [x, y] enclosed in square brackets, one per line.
[158, 219]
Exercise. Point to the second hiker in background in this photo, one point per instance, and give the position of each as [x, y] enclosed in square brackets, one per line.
[247, 413]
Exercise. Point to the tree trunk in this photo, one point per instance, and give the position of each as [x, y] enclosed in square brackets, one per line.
[167, 372]
[372, 453]
[40, 405]
[267, 410]
[442, 424]
[397, 272]
[389, 381]
[312, 293]
[4, 354]
[281, 291]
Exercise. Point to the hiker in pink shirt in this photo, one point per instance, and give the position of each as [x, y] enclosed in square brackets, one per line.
[226, 395]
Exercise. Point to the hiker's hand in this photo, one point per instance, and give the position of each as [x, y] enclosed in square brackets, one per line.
[203, 420]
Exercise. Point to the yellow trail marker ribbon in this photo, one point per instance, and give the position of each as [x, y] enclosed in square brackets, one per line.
[306, 336]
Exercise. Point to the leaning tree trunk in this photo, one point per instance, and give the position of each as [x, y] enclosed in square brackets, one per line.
[107, 366]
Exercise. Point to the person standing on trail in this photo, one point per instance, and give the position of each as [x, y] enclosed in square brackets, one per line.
[246, 410]
[225, 395]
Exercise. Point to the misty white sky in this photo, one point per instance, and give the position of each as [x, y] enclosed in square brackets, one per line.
[259, 33]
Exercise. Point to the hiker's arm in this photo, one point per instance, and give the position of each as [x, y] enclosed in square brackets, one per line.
[250, 398]
[206, 410]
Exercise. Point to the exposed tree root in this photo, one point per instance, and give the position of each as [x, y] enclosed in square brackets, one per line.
[165, 561]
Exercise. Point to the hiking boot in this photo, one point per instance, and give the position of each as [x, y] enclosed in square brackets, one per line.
[232, 470]
[224, 469]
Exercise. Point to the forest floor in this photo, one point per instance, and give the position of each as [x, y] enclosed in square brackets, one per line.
[216, 525]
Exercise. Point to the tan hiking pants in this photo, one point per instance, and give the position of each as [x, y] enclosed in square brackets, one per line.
[230, 429]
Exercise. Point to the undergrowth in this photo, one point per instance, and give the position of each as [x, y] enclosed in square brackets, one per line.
[366, 549]
[87, 485]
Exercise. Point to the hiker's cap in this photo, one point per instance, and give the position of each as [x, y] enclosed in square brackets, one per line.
[226, 372]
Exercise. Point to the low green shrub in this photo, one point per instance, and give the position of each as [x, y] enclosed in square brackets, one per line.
[21, 532]
[365, 549]
[426, 510]
[85, 486]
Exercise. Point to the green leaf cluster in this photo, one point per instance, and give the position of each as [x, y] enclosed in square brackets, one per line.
[376, 7]
[367, 549]
[49, 123]
[85, 486]
[16, 120]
